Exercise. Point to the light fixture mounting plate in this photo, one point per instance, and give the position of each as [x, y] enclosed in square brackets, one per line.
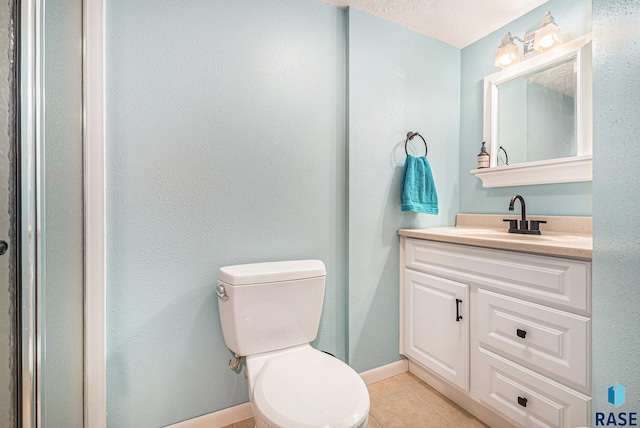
[528, 49]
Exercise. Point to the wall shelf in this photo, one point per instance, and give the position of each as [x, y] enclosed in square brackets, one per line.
[562, 170]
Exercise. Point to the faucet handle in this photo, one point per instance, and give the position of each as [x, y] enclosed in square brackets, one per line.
[513, 224]
[535, 224]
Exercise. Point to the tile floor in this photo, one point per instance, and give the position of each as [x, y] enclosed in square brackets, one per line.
[405, 401]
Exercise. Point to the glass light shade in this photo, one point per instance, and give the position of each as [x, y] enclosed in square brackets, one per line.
[507, 55]
[547, 37]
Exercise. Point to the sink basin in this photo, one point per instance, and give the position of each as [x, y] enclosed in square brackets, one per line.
[474, 231]
[494, 234]
[507, 235]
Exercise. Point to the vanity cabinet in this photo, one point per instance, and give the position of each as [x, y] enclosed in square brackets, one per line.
[522, 349]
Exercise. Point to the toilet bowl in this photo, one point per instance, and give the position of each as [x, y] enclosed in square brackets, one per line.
[270, 313]
[304, 387]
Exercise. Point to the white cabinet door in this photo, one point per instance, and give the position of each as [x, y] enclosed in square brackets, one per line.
[437, 325]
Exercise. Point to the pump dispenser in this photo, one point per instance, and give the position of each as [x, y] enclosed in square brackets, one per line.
[483, 157]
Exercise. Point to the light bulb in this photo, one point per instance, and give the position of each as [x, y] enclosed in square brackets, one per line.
[506, 59]
[547, 41]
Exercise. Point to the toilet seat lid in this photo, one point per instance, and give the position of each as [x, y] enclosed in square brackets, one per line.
[310, 389]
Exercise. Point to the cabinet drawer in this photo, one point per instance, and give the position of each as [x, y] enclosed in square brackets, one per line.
[545, 339]
[558, 281]
[528, 398]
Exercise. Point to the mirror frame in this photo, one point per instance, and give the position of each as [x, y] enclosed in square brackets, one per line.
[561, 170]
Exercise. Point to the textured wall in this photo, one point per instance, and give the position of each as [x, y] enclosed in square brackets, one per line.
[399, 81]
[616, 197]
[574, 19]
[62, 234]
[225, 145]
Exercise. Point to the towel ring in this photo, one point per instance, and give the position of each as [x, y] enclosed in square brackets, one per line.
[505, 155]
[410, 136]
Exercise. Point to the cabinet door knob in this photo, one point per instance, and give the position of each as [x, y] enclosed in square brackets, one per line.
[458, 316]
[521, 333]
[522, 401]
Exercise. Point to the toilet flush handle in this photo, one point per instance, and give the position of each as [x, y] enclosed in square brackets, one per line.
[235, 364]
[222, 294]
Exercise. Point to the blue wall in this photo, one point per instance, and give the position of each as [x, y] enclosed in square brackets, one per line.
[574, 19]
[225, 145]
[399, 81]
[616, 197]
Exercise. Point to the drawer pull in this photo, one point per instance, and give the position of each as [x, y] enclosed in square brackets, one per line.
[458, 316]
[521, 333]
[522, 401]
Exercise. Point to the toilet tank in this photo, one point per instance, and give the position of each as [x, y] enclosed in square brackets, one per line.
[270, 306]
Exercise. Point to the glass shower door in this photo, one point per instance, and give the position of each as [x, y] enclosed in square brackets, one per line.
[8, 274]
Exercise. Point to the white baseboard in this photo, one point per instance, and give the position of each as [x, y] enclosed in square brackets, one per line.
[384, 372]
[243, 411]
[218, 419]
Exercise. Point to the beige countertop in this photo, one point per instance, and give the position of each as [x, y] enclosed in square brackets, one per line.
[565, 236]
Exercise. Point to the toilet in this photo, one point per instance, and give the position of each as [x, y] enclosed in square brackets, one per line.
[270, 313]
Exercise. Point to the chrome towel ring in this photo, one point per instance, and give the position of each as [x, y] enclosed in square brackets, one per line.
[410, 136]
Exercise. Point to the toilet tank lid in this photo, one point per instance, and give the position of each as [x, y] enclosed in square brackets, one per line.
[258, 273]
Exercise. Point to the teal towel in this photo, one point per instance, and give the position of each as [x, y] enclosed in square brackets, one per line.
[418, 189]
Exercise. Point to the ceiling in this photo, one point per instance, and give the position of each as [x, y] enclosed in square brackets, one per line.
[455, 22]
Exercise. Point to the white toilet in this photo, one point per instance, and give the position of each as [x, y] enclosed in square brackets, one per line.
[270, 313]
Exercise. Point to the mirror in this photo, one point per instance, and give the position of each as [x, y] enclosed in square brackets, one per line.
[537, 116]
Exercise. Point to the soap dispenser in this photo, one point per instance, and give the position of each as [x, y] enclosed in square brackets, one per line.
[483, 157]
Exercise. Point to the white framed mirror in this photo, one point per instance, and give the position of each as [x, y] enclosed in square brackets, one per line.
[538, 119]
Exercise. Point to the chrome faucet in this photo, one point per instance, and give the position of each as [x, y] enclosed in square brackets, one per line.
[524, 224]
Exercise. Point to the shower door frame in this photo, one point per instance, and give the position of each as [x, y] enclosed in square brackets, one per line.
[93, 104]
[30, 212]
[31, 205]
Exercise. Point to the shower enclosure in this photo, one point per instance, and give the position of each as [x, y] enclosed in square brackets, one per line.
[9, 352]
[41, 214]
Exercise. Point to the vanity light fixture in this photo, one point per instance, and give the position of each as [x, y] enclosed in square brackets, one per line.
[547, 36]
[544, 38]
[507, 52]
